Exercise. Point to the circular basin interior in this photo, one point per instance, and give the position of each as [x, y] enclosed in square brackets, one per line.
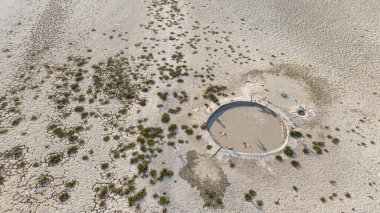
[247, 127]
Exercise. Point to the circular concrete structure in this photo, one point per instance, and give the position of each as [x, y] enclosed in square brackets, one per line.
[247, 127]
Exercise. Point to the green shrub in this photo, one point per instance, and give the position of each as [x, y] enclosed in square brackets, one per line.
[318, 150]
[142, 102]
[15, 153]
[16, 121]
[335, 141]
[165, 173]
[151, 132]
[71, 184]
[249, 195]
[172, 127]
[252, 193]
[174, 111]
[72, 150]
[142, 167]
[296, 134]
[59, 132]
[102, 192]
[136, 197]
[295, 163]
[102, 203]
[323, 200]
[305, 151]
[163, 96]
[106, 138]
[84, 115]
[189, 131]
[213, 91]
[2, 179]
[347, 195]
[317, 146]
[64, 196]
[219, 200]
[259, 202]
[21, 164]
[163, 200]
[165, 118]
[232, 164]
[43, 180]
[182, 97]
[319, 143]
[3, 131]
[203, 126]
[288, 151]
[79, 128]
[104, 166]
[79, 109]
[54, 159]
[153, 173]
[81, 98]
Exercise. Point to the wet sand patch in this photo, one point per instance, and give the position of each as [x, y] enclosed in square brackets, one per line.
[246, 127]
[203, 172]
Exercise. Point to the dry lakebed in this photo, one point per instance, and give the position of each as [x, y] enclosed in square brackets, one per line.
[189, 106]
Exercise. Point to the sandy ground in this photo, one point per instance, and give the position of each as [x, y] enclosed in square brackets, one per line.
[248, 129]
[74, 131]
